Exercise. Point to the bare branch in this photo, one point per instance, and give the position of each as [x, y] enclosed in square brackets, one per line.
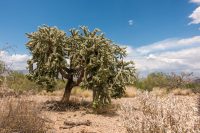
[64, 74]
[80, 78]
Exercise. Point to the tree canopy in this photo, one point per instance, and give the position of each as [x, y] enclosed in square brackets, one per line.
[84, 58]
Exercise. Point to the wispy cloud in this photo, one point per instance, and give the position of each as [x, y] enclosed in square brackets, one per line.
[170, 44]
[130, 22]
[195, 1]
[14, 61]
[171, 55]
[195, 16]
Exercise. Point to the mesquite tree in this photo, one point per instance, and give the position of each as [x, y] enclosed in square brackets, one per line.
[84, 58]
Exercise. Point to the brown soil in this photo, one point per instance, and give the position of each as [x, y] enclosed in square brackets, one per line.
[78, 116]
[86, 121]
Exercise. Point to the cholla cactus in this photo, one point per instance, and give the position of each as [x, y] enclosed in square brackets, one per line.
[84, 58]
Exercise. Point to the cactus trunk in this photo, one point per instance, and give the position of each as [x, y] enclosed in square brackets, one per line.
[67, 92]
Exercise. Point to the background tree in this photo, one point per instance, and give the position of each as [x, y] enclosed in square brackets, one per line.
[2, 70]
[181, 80]
[168, 81]
[2, 67]
[84, 58]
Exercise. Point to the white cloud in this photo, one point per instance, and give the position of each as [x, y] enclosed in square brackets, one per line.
[195, 1]
[14, 61]
[195, 16]
[130, 22]
[171, 55]
[170, 44]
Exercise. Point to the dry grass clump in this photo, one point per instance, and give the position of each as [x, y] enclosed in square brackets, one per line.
[5, 91]
[131, 91]
[159, 91]
[54, 93]
[77, 91]
[183, 92]
[19, 115]
[148, 113]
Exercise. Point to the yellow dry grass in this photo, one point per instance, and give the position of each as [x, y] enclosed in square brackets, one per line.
[20, 115]
[183, 92]
[148, 113]
[159, 91]
[77, 91]
[130, 91]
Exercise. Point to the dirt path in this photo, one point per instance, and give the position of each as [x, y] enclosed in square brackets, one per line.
[99, 123]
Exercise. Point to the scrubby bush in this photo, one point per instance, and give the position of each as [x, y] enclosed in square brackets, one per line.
[158, 79]
[19, 83]
[148, 113]
[179, 80]
[19, 115]
[2, 70]
[194, 86]
[168, 81]
[2, 67]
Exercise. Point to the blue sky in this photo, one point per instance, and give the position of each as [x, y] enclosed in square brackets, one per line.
[138, 24]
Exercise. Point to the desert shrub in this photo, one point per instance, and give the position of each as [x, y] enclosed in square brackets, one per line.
[169, 81]
[195, 87]
[130, 91]
[6, 92]
[178, 80]
[151, 114]
[183, 92]
[2, 70]
[19, 115]
[159, 91]
[158, 79]
[60, 85]
[19, 83]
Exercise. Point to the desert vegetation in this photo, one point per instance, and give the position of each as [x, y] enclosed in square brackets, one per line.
[168, 81]
[20, 115]
[73, 79]
[148, 113]
[86, 59]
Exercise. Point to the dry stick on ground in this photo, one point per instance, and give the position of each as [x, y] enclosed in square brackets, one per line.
[71, 124]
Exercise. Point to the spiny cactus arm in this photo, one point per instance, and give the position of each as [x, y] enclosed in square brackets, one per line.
[49, 53]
